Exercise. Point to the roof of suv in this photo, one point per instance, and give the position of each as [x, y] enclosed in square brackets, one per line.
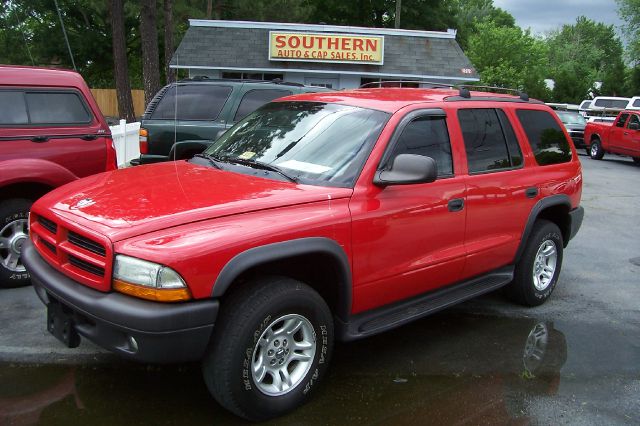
[392, 99]
[37, 76]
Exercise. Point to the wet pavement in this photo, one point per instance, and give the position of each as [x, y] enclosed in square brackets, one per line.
[574, 360]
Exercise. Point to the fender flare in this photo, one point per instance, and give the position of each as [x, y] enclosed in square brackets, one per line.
[552, 201]
[282, 250]
[33, 170]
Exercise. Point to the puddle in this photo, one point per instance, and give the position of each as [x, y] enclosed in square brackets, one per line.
[449, 368]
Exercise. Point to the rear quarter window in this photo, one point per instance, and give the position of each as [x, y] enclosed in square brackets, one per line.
[13, 109]
[192, 102]
[56, 108]
[546, 138]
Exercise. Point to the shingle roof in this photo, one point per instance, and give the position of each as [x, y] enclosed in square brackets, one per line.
[218, 46]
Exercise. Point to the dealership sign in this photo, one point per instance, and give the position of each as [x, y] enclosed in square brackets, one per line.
[310, 47]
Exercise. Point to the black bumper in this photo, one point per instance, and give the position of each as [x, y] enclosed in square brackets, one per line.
[163, 332]
[576, 215]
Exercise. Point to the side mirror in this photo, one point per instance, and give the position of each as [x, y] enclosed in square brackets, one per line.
[634, 126]
[407, 169]
[185, 150]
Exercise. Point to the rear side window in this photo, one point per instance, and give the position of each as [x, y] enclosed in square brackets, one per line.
[545, 136]
[56, 108]
[13, 109]
[622, 120]
[193, 102]
[427, 136]
[254, 99]
[37, 108]
[489, 140]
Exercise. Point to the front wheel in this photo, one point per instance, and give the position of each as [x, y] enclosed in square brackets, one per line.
[14, 214]
[537, 271]
[595, 150]
[270, 348]
[636, 160]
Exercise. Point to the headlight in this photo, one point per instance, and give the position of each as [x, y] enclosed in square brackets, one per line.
[148, 280]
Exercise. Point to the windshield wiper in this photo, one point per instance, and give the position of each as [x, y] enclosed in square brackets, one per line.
[260, 165]
[212, 159]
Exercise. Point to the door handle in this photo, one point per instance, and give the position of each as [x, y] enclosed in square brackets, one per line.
[40, 139]
[89, 137]
[531, 192]
[626, 133]
[456, 205]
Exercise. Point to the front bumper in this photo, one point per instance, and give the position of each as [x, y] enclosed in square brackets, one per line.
[163, 332]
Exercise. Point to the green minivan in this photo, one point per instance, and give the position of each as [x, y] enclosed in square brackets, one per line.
[185, 117]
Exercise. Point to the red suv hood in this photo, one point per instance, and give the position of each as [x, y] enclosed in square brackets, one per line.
[137, 200]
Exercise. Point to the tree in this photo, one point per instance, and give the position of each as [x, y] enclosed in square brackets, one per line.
[629, 11]
[582, 54]
[120, 65]
[469, 13]
[149, 38]
[168, 40]
[509, 57]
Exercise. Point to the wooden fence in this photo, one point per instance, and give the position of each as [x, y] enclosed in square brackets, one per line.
[108, 102]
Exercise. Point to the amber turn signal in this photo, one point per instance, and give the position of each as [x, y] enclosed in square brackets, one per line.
[150, 293]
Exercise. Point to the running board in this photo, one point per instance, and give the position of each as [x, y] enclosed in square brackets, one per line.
[397, 314]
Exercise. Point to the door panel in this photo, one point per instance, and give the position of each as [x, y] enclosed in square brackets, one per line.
[407, 239]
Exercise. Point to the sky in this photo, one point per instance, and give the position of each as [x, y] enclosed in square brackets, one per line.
[546, 15]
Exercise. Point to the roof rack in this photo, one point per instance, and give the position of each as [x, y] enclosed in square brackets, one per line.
[522, 95]
[430, 83]
[240, 80]
[464, 90]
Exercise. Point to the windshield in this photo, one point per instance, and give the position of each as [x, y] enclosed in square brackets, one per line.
[571, 117]
[313, 142]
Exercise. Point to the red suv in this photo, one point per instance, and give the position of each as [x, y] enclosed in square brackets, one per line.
[319, 216]
[51, 133]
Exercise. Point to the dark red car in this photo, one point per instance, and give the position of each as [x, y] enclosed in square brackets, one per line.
[319, 216]
[51, 133]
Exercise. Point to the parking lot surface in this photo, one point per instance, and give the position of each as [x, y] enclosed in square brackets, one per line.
[574, 360]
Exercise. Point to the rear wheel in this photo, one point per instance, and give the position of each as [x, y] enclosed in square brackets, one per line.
[636, 160]
[14, 214]
[537, 271]
[270, 348]
[595, 150]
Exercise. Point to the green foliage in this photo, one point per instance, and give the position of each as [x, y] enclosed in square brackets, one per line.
[629, 11]
[469, 13]
[581, 54]
[509, 57]
[415, 14]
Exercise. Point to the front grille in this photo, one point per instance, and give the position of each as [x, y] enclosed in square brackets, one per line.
[86, 243]
[86, 266]
[50, 246]
[79, 254]
[48, 225]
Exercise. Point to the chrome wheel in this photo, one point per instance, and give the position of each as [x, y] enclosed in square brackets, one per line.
[594, 149]
[544, 265]
[12, 237]
[283, 355]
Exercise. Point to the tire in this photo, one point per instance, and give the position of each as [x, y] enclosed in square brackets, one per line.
[246, 319]
[636, 160]
[543, 253]
[14, 214]
[595, 150]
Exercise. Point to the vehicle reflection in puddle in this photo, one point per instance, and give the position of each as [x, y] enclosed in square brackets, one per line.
[449, 368]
